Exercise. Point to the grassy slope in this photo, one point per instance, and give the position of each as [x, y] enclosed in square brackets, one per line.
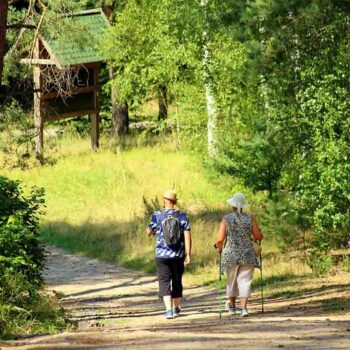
[95, 204]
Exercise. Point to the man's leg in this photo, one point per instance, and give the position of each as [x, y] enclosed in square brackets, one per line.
[164, 278]
[177, 270]
[167, 302]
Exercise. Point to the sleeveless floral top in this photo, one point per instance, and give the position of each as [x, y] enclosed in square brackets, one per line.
[238, 249]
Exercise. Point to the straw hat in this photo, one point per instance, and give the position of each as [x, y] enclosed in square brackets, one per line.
[170, 195]
[238, 201]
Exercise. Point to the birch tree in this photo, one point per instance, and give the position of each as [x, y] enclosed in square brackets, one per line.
[208, 82]
[3, 26]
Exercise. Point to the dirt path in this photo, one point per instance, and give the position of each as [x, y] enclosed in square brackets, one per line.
[119, 309]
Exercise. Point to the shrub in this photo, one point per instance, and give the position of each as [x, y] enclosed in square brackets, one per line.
[319, 262]
[20, 249]
[23, 310]
[345, 263]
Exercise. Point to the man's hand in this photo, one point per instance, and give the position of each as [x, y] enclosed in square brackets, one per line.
[187, 260]
[150, 232]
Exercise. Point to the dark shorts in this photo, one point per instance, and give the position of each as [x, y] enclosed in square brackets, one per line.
[170, 273]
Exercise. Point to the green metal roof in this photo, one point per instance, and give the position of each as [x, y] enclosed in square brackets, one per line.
[80, 47]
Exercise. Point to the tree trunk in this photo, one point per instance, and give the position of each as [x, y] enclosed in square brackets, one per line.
[3, 23]
[212, 122]
[211, 110]
[120, 113]
[163, 103]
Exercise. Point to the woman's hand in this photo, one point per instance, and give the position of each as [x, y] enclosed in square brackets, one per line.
[187, 260]
[218, 247]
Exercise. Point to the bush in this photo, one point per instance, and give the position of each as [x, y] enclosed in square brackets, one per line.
[345, 264]
[16, 136]
[20, 249]
[319, 262]
[23, 310]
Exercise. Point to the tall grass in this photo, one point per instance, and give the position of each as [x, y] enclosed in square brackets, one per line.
[99, 203]
[96, 201]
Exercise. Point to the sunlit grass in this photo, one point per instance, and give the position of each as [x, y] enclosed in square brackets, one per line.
[95, 200]
[95, 203]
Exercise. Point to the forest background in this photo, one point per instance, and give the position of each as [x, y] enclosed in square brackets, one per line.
[207, 96]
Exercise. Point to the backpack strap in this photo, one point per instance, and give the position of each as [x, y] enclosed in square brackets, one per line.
[164, 216]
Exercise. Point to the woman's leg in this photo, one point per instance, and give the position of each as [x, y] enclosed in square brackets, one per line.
[232, 301]
[244, 281]
[244, 302]
[176, 302]
[232, 288]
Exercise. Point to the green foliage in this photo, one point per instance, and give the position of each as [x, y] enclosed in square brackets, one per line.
[336, 304]
[24, 311]
[16, 136]
[319, 262]
[278, 221]
[345, 263]
[20, 249]
[289, 115]
[158, 52]
[279, 73]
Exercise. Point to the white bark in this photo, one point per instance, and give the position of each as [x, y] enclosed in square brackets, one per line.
[212, 122]
[210, 100]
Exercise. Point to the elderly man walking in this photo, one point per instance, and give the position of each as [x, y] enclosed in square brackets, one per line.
[173, 251]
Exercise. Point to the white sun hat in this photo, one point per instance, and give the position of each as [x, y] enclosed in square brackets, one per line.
[238, 201]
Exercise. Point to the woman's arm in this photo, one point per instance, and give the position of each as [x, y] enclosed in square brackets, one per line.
[221, 235]
[258, 236]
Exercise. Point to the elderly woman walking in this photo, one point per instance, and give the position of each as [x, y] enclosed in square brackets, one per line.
[235, 242]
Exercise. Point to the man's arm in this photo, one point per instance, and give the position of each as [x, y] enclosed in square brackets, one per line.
[151, 230]
[188, 247]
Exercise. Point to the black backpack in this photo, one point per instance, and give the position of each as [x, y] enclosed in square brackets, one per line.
[171, 230]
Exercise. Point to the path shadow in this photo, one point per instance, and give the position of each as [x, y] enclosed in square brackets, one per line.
[108, 241]
[136, 281]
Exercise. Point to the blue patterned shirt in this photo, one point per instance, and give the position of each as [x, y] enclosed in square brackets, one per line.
[162, 250]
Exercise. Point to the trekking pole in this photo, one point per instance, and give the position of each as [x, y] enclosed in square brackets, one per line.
[219, 283]
[261, 284]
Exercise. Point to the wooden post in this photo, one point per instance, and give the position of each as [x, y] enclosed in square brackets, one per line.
[95, 118]
[95, 130]
[38, 115]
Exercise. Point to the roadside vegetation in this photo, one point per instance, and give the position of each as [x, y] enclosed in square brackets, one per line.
[24, 309]
[98, 204]
[209, 97]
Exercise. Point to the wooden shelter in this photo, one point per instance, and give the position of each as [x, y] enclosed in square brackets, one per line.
[66, 68]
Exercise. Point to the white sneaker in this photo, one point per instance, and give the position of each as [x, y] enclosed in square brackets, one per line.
[231, 310]
[244, 312]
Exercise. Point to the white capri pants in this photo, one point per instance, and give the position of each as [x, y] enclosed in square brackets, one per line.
[239, 280]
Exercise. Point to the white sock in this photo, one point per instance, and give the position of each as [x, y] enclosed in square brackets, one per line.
[167, 302]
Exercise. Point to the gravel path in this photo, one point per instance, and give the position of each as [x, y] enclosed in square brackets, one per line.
[119, 309]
